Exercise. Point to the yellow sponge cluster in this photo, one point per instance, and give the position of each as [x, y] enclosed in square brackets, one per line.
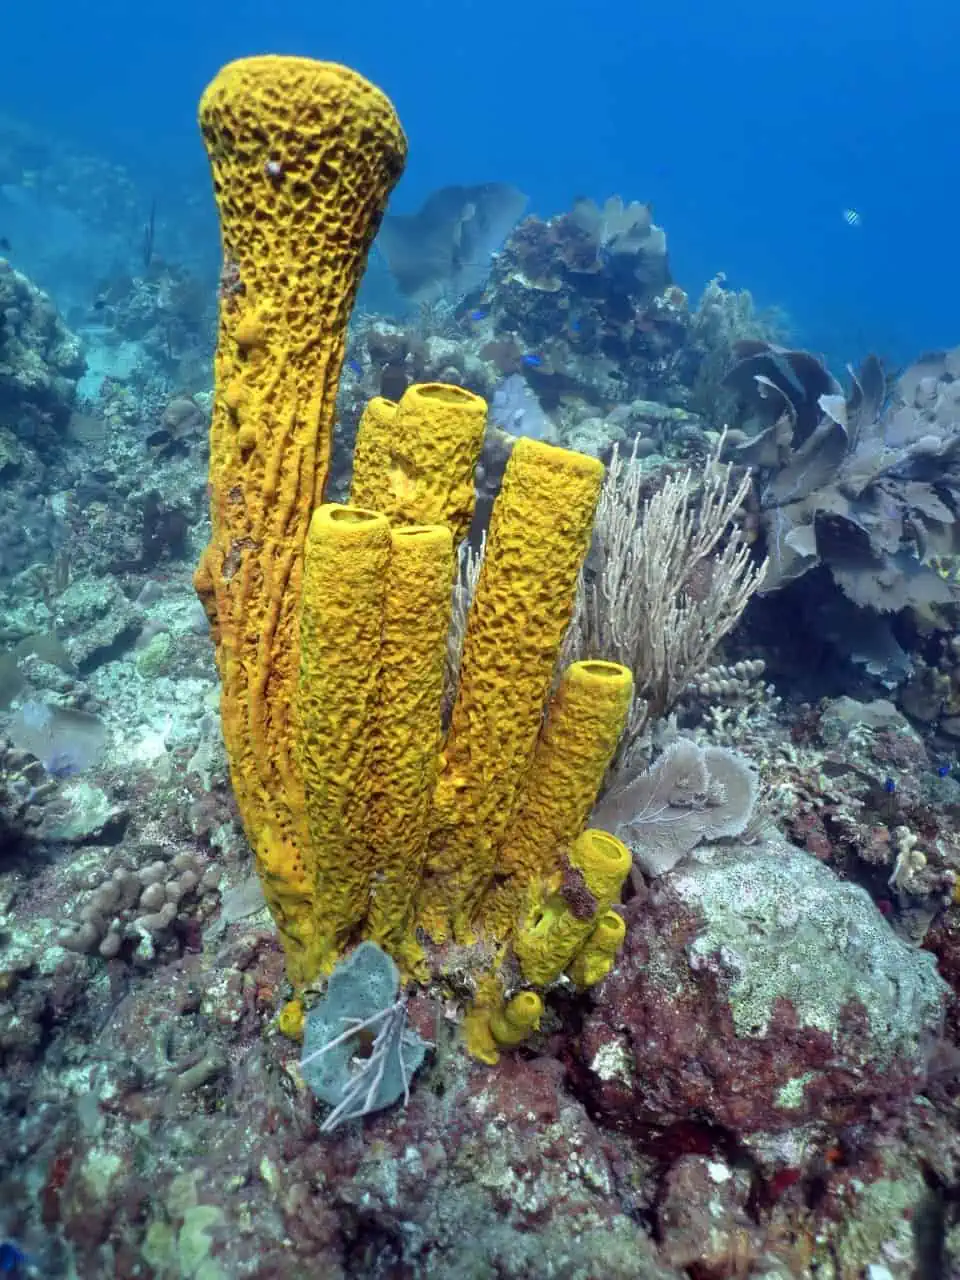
[368, 816]
[563, 925]
[375, 610]
[457, 836]
[538, 537]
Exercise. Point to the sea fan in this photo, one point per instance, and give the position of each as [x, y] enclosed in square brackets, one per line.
[691, 795]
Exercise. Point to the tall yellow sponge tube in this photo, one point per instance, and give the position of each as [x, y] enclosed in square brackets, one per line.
[406, 733]
[586, 718]
[539, 534]
[376, 432]
[303, 156]
[344, 592]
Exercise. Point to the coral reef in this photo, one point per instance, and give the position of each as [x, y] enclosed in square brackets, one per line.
[40, 362]
[860, 483]
[558, 385]
[362, 997]
[764, 1005]
[583, 304]
[855, 492]
[690, 795]
[161, 320]
[555, 382]
[137, 909]
[731, 1062]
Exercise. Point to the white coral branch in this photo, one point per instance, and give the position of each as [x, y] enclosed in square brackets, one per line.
[670, 577]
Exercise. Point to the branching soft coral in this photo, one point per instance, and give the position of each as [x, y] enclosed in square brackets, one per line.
[671, 575]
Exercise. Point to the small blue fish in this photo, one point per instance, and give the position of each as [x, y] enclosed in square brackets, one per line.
[943, 770]
[355, 367]
[12, 1258]
[531, 360]
[478, 313]
[889, 786]
[575, 326]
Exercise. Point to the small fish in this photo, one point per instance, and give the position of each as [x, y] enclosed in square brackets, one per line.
[5, 245]
[99, 304]
[889, 786]
[851, 217]
[355, 367]
[943, 770]
[12, 1258]
[531, 360]
[478, 313]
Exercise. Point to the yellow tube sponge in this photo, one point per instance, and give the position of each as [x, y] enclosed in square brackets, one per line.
[517, 1020]
[475, 1031]
[291, 1019]
[371, 453]
[554, 933]
[416, 465]
[596, 957]
[586, 718]
[344, 594]
[406, 732]
[539, 534]
[303, 155]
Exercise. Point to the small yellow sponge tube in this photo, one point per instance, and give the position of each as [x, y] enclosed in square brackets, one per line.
[344, 593]
[586, 718]
[371, 453]
[539, 534]
[596, 958]
[517, 1019]
[555, 932]
[406, 732]
[416, 464]
[476, 1033]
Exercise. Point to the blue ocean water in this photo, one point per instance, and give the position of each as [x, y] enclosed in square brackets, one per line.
[750, 127]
